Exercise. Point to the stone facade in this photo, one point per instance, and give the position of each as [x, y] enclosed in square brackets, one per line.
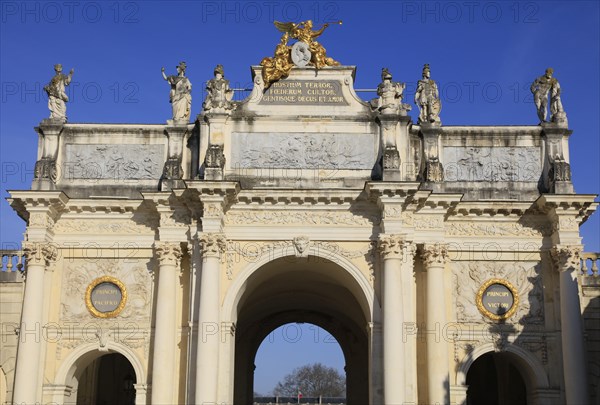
[282, 208]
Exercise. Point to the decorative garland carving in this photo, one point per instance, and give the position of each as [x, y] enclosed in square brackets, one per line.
[299, 217]
[470, 276]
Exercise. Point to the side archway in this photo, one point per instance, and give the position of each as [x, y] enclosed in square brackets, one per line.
[70, 371]
[513, 363]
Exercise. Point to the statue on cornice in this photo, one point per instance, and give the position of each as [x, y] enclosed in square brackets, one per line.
[541, 88]
[56, 94]
[427, 97]
[390, 95]
[180, 95]
[219, 95]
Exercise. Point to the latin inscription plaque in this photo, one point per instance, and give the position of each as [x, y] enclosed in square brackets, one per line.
[304, 92]
[497, 299]
[105, 297]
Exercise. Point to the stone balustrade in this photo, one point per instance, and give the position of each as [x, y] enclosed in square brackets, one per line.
[587, 268]
[12, 264]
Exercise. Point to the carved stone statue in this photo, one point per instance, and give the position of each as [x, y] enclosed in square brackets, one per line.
[541, 88]
[56, 94]
[390, 95]
[180, 95]
[219, 95]
[427, 97]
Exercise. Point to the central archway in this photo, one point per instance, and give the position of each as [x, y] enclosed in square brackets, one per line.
[311, 290]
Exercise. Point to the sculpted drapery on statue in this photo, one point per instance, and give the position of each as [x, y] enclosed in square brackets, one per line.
[545, 86]
[390, 95]
[219, 95]
[56, 94]
[427, 97]
[180, 95]
[306, 51]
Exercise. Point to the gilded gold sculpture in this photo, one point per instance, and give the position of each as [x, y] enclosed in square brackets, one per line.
[306, 51]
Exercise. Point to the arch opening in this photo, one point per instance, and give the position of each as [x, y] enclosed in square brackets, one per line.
[107, 380]
[302, 290]
[299, 345]
[495, 379]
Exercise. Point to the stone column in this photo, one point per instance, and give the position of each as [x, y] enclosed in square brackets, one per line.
[27, 387]
[212, 245]
[567, 261]
[165, 327]
[438, 373]
[391, 248]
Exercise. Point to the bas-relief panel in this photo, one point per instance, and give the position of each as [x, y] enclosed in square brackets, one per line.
[113, 161]
[492, 163]
[525, 277]
[303, 150]
[133, 273]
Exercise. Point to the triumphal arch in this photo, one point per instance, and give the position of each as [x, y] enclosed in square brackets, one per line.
[444, 259]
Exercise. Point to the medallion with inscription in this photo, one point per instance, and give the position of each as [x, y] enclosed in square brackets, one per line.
[105, 297]
[304, 92]
[497, 299]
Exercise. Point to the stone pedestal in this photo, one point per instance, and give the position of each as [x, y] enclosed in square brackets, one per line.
[433, 171]
[557, 170]
[46, 171]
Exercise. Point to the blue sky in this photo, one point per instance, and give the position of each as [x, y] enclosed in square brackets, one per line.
[483, 54]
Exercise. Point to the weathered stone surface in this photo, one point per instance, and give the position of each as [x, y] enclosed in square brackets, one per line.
[303, 150]
[102, 161]
[492, 163]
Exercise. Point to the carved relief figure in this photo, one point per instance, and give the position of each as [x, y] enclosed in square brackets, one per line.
[427, 97]
[180, 95]
[541, 88]
[219, 94]
[56, 94]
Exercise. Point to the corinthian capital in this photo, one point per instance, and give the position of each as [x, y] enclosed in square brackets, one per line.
[212, 244]
[566, 257]
[168, 253]
[391, 246]
[39, 253]
[434, 254]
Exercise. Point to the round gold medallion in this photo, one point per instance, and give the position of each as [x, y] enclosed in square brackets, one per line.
[497, 299]
[105, 297]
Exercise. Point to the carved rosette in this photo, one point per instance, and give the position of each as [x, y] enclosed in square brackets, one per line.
[212, 244]
[391, 246]
[566, 257]
[168, 253]
[434, 254]
[39, 253]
